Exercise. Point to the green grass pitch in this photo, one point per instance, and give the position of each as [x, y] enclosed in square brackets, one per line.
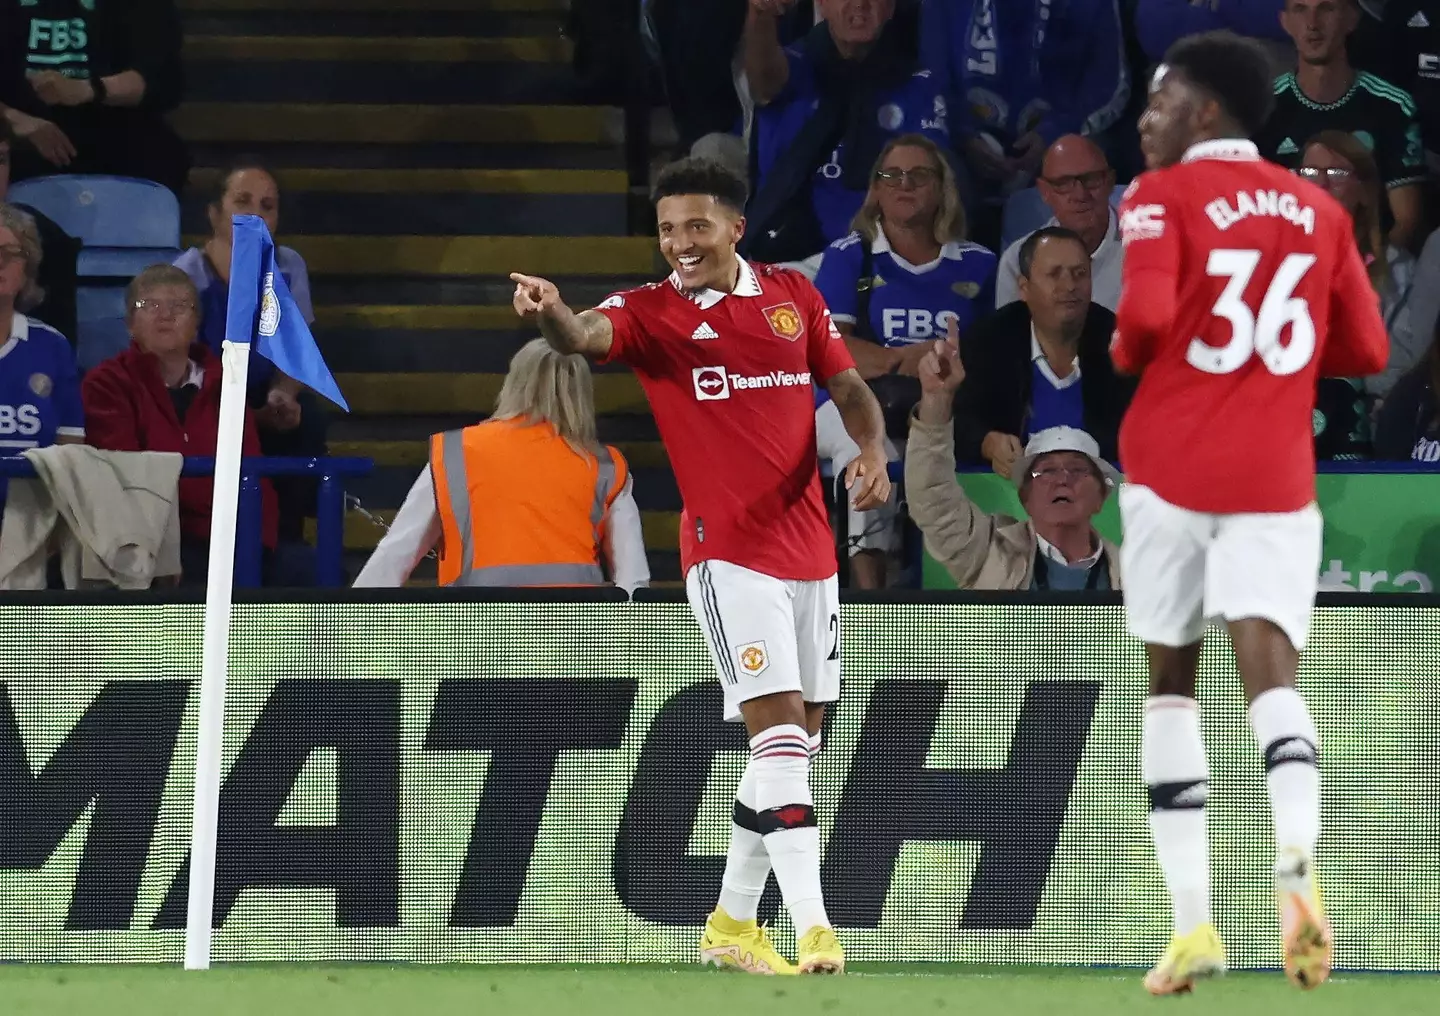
[878, 989]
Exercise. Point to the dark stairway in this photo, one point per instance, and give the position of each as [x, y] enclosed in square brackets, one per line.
[422, 156]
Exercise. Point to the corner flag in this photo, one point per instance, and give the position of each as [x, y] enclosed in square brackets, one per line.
[261, 310]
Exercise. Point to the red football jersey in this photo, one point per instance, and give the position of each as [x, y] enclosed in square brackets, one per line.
[1242, 288]
[729, 378]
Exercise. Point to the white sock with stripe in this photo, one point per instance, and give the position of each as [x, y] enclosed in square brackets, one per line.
[1176, 774]
[747, 862]
[780, 758]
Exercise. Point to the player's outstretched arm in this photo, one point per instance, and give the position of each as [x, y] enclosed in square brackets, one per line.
[867, 477]
[538, 300]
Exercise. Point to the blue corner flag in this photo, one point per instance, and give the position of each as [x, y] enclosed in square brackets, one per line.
[261, 310]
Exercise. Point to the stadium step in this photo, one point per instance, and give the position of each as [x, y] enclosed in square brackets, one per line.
[377, 394]
[474, 202]
[551, 256]
[397, 123]
[424, 152]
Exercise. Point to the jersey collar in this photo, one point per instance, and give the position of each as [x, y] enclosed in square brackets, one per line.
[951, 251]
[747, 285]
[1227, 149]
[19, 332]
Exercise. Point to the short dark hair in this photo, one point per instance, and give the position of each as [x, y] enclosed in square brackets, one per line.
[1033, 241]
[1232, 70]
[701, 176]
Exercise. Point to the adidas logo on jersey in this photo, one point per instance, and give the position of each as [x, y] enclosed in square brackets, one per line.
[1418, 20]
[1287, 147]
[704, 332]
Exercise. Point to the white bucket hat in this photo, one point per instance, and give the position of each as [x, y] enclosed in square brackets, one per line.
[1062, 439]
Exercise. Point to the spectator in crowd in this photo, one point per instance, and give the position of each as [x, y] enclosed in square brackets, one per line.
[1075, 181]
[1408, 55]
[39, 382]
[1326, 93]
[1408, 427]
[59, 250]
[1041, 362]
[163, 395]
[696, 41]
[574, 509]
[892, 285]
[86, 87]
[1019, 74]
[825, 107]
[1340, 163]
[1063, 483]
[292, 420]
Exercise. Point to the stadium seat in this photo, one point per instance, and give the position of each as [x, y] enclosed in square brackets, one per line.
[1025, 212]
[100, 324]
[105, 211]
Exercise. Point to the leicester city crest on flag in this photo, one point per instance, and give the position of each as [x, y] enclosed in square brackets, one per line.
[269, 307]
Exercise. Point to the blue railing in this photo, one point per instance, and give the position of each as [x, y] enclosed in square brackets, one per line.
[329, 509]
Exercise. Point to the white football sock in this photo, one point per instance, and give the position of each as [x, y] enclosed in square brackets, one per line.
[1175, 771]
[1286, 734]
[747, 864]
[780, 758]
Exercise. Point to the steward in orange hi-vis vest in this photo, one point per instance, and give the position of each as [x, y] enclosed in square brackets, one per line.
[519, 506]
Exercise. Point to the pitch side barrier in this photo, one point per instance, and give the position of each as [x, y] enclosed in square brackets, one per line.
[538, 776]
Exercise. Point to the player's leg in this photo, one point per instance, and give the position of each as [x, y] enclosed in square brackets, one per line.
[1162, 571]
[742, 614]
[817, 642]
[1262, 580]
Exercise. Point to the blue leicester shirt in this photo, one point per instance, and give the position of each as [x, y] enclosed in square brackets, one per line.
[908, 303]
[39, 389]
[915, 107]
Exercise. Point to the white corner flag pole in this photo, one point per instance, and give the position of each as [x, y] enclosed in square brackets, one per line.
[210, 730]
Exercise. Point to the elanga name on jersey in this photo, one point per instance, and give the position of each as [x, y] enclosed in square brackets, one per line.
[1147, 222]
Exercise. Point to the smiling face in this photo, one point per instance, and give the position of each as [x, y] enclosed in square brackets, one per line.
[1064, 488]
[698, 236]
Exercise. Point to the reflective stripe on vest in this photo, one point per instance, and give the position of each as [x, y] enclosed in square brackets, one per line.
[454, 482]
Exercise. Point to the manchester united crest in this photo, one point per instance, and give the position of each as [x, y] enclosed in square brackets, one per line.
[754, 660]
[785, 321]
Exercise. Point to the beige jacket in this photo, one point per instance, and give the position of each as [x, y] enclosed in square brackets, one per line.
[979, 551]
[115, 517]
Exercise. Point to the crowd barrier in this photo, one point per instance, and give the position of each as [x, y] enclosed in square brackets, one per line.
[430, 776]
[330, 473]
[1382, 524]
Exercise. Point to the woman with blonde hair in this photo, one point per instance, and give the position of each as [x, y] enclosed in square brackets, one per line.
[896, 283]
[1342, 165]
[529, 497]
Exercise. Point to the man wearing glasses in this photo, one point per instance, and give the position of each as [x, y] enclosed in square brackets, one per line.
[1076, 182]
[1063, 483]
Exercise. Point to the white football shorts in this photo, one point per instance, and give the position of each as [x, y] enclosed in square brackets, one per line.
[1182, 569]
[767, 635]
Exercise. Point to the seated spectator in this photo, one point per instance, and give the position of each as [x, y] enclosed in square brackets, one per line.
[1075, 181]
[1408, 426]
[1042, 362]
[1020, 75]
[59, 252]
[1063, 483]
[892, 285]
[292, 420]
[1326, 93]
[86, 87]
[39, 382]
[1408, 55]
[573, 510]
[163, 395]
[826, 106]
[1338, 162]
